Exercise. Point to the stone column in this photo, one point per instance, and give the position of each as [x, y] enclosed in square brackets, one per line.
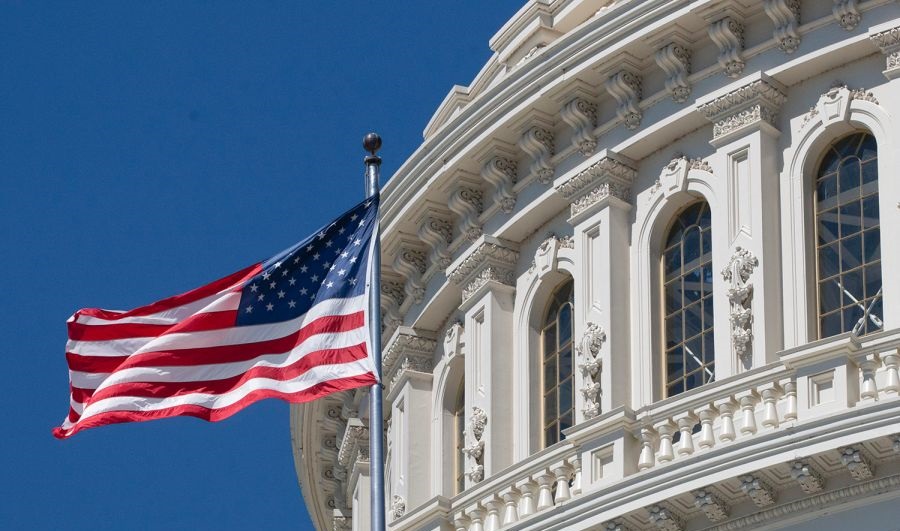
[600, 198]
[408, 364]
[353, 454]
[745, 133]
[486, 275]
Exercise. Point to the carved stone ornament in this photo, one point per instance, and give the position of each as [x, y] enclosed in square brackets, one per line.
[437, 232]
[539, 144]
[355, 443]
[475, 451]
[588, 350]
[467, 203]
[809, 479]
[664, 518]
[411, 263]
[615, 525]
[740, 295]
[728, 35]
[786, 16]
[758, 490]
[753, 104]
[407, 351]
[545, 255]
[612, 175]
[490, 261]
[501, 172]
[857, 462]
[888, 41]
[847, 14]
[675, 60]
[453, 339]
[626, 87]
[398, 506]
[581, 116]
[712, 506]
[341, 523]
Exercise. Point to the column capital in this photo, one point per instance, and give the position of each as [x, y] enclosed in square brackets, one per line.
[740, 109]
[611, 175]
[489, 261]
[407, 351]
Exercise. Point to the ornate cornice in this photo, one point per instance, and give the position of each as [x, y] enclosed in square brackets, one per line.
[612, 175]
[407, 350]
[490, 260]
[847, 14]
[539, 144]
[728, 34]
[626, 86]
[750, 105]
[888, 41]
[581, 115]
[786, 16]
[436, 230]
[467, 201]
[355, 443]
[675, 60]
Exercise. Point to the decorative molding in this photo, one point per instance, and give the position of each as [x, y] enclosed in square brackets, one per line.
[615, 525]
[626, 87]
[752, 104]
[857, 461]
[475, 451]
[407, 350]
[341, 523]
[501, 172]
[728, 35]
[392, 298]
[588, 350]
[786, 16]
[355, 443]
[453, 340]
[810, 480]
[758, 490]
[545, 255]
[847, 14]
[539, 144]
[492, 260]
[888, 41]
[740, 294]
[675, 61]
[712, 506]
[664, 518]
[581, 116]
[467, 202]
[398, 506]
[612, 175]
[410, 262]
[436, 230]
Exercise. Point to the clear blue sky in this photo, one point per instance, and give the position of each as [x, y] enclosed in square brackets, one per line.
[150, 147]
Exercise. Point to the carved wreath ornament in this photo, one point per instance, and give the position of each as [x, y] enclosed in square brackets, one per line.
[475, 451]
[740, 295]
[589, 352]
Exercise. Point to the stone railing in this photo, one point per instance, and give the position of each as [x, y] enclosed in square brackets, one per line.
[820, 378]
[550, 478]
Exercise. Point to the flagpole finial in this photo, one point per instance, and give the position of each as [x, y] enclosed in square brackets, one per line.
[372, 143]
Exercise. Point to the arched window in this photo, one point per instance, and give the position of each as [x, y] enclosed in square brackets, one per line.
[459, 439]
[848, 238]
[558, 388]
[688, 301]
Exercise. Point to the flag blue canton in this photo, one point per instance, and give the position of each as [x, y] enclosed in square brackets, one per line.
[330, 264]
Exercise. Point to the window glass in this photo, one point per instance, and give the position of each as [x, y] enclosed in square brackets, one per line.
[558, 389]
[688, 301]
[848, 238]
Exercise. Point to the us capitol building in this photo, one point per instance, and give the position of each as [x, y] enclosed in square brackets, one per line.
[633, 280]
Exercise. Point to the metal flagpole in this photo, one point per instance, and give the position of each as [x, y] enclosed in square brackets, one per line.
[372, 143]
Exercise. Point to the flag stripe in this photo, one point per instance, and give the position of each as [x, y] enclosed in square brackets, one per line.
[317, 391]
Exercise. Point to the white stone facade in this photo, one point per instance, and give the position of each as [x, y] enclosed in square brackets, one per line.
[593, 125]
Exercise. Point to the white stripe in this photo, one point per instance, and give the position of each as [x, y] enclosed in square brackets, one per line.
[87, 380]
[319, 374]
[222, 301]
[107, 347]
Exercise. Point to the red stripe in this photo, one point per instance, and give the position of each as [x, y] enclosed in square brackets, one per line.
[177, 300]
[219, 387]
[218, 354]
[202, 322]
[214, 415]
[85, 332]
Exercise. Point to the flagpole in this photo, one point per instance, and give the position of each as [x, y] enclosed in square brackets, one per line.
[372, 143]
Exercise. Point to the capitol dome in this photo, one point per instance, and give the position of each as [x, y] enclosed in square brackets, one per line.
[632, 280]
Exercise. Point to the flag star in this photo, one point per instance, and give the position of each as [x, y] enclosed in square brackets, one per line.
[281, 294]
[357, 241]
[341, 230]
[330, 284]
[352, 281]
[321, 235]
[249, 309]
[292, 281]
[296, 259]
[253, 288]
[329, 243]
[345, 254]
[262, 296]
[272, 285]
[277, 264]
[316, 256]
[291, 303]
[332, 267]
[312, 297]
[303, 291]
[353, 217]
[309, 248]
[270, 307]
[353, 260]
[342, 272]
[314, 278]
[284, 272]
[266, 275]
[326, 265]
[303, 269]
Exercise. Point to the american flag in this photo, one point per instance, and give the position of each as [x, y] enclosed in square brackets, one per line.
[293, 327]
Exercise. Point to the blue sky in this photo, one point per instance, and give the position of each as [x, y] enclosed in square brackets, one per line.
[147, 148]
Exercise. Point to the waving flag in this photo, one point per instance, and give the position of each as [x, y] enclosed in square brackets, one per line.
[293, 327]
